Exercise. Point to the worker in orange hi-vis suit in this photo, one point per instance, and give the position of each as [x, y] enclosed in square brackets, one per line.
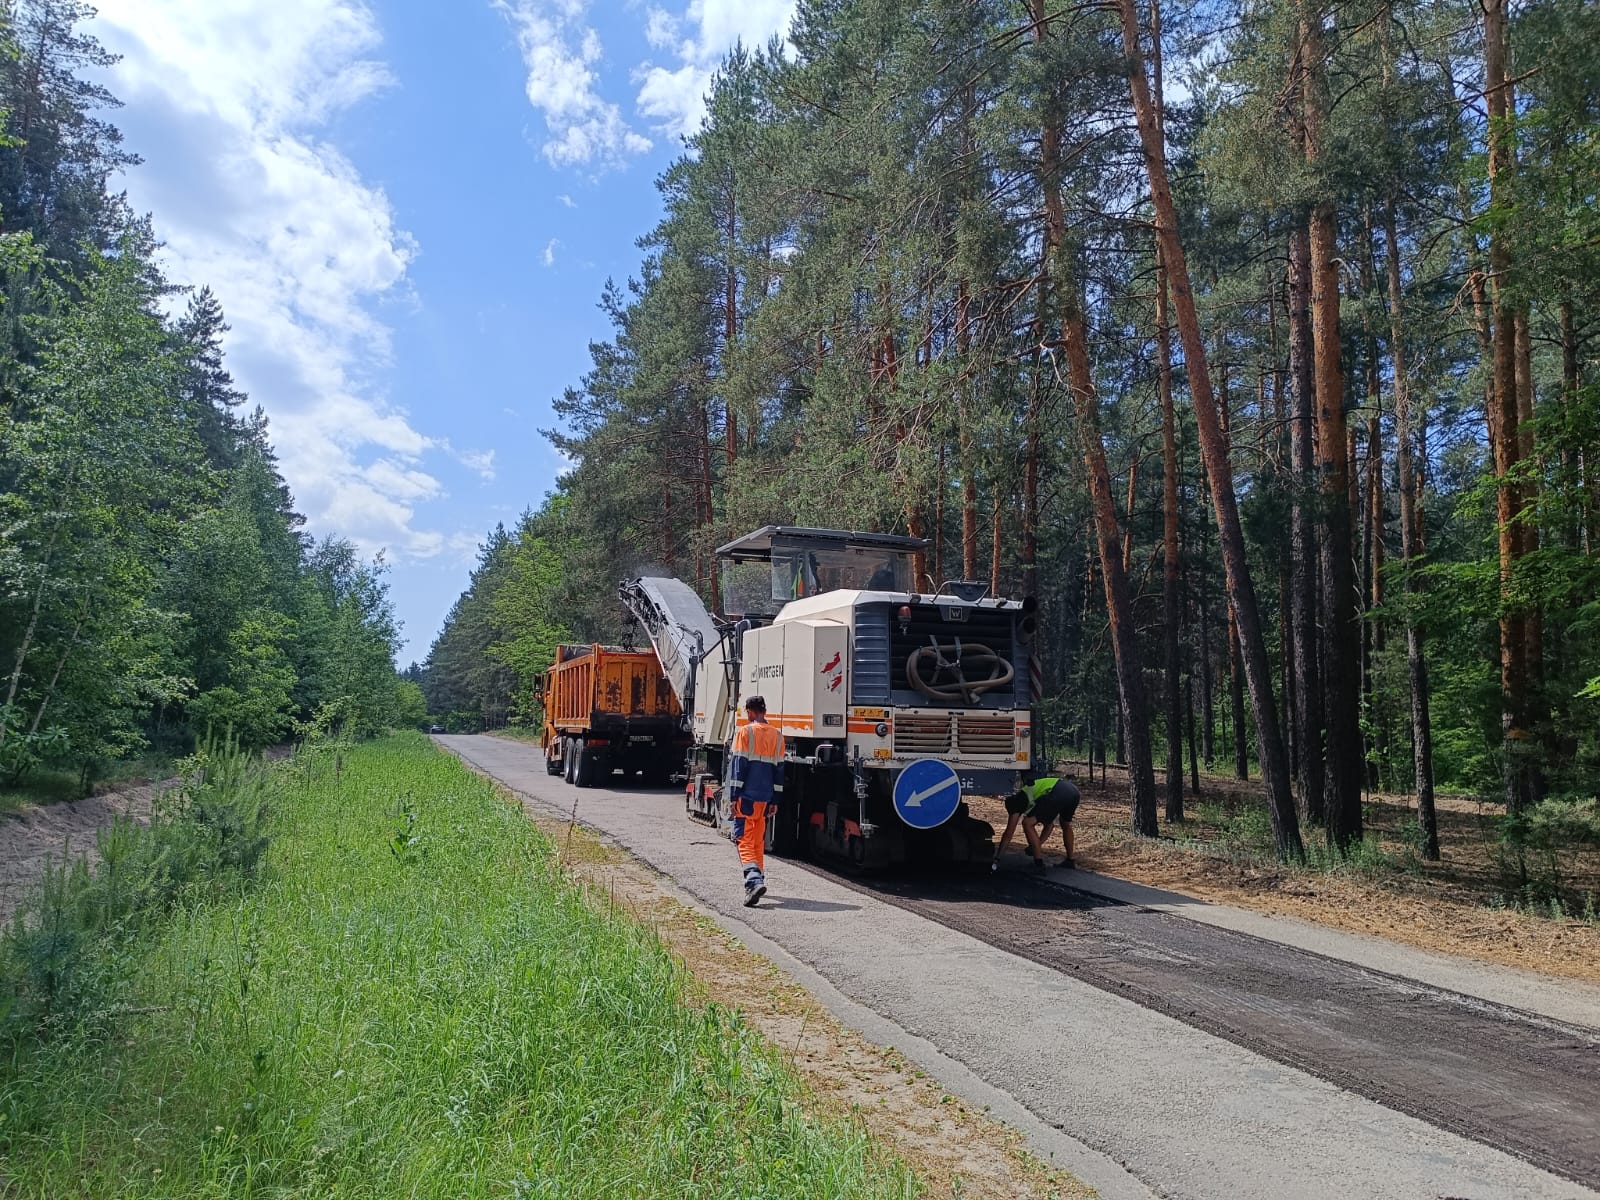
[755, 781]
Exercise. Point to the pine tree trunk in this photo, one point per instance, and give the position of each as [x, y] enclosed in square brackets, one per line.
[1284, 543]
[1208, 716]
[1241, 588]
[1374, 625]
[1574, 435]
[1528, 529]
[1236, 722]
[1372, 527]
[1304, 573]
[1194, 760]
[730, 335]
[1171, 579]
[1410, 551]
[1503, 420]
[997, 542]
[969, 466]
[1241, 750]
[1030, 493]
[1341, 674]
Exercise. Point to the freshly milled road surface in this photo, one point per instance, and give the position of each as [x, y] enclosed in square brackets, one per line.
[1509, 1079]
[1187, 1054]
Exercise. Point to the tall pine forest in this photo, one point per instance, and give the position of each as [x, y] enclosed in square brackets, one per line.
[157, 588]
[1257, 342]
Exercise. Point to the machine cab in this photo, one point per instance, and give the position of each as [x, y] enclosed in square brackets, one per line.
[767, 569]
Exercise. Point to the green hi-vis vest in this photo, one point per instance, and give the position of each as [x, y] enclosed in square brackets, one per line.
[1038, 790]
[1033, 793]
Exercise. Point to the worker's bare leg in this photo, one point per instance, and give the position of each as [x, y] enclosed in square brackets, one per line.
[1030, 829]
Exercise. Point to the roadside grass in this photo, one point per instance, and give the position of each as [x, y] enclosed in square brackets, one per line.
[413, 1001]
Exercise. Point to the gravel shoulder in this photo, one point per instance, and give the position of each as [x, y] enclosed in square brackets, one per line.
[1142, 1103]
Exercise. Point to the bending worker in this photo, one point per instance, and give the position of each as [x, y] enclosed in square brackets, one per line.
[1038, 805]
[755, 781]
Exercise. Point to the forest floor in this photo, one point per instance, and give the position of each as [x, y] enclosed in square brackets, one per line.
[1222, 853]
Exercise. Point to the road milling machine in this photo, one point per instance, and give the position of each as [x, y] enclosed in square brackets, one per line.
[894, 703]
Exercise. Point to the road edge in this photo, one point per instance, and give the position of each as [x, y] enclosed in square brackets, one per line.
[1109, 1178]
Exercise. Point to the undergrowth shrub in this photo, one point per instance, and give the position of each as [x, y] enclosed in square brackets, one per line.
[60, 959]
[1540, 848]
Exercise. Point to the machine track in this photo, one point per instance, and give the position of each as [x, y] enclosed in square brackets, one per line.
[1509, 1079]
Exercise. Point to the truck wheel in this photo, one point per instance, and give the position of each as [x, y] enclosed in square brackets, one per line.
[569, 758]
[583, 766]
[552, 766]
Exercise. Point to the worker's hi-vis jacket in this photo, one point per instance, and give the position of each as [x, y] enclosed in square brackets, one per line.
[755, 772]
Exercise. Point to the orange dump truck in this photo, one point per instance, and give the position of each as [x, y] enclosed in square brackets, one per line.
[610, 710]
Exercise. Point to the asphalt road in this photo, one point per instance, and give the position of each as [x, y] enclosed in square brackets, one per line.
[1117, 1031]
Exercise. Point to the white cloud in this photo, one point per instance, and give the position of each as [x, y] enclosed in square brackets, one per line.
[567, 201]
[562, 53]
[674, 97]
[225, 99]
[661, 28]
[674, 100]
[481, 461]
[549, 255]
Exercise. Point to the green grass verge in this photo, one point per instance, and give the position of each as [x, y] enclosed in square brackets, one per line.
[412, 1002]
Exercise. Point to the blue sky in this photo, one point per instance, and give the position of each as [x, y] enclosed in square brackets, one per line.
[408, 209]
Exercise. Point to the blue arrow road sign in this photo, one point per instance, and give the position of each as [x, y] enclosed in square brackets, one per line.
[926, 794]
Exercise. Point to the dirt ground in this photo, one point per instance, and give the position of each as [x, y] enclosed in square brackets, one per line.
[958, 1151]
[34, 837]
[1448, 907]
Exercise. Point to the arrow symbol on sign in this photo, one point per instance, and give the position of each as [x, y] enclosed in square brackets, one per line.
[916, 798]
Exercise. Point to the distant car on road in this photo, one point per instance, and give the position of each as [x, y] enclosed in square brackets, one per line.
[435, 728]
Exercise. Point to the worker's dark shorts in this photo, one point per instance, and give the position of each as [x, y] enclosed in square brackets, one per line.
[1060, 801]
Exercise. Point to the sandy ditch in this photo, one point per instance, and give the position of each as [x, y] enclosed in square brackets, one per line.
[35, 837]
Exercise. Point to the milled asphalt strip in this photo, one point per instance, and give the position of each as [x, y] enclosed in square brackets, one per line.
[1190, 1115]
[1517, 1081]
[1568, 1000]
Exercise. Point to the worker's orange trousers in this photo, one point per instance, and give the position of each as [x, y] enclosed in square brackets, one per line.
[750, 834]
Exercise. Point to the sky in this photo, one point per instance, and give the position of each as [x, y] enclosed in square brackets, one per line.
[408, 210]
